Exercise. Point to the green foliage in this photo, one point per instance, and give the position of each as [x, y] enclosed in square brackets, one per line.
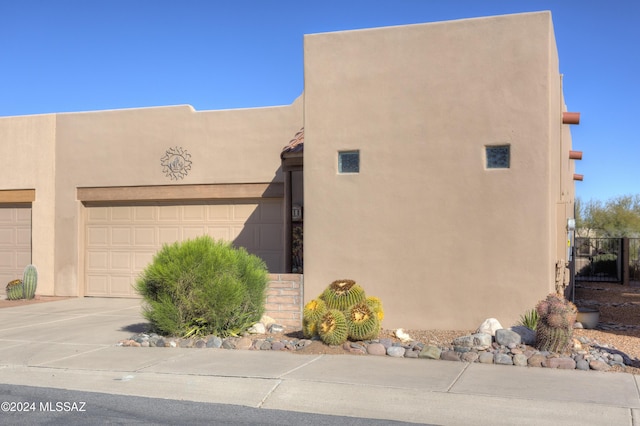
[530, 319]
[201, 286]
[29, 282]
[554, 331]
[617, 217]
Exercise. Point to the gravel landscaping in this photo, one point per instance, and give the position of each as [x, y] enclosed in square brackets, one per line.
[614, 345]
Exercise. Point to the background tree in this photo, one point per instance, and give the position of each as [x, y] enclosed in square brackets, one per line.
[616, 217]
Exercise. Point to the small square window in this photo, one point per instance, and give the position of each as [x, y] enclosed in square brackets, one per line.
[498, 157]
[349, 162]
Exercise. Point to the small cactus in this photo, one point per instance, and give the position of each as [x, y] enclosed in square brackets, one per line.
[362, 322]
[30, 282]
[312, 312]
[554, 331]
[14, 290]
[332, 327]
[342, 294]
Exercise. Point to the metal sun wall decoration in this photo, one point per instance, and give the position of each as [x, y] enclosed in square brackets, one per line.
[176, 163]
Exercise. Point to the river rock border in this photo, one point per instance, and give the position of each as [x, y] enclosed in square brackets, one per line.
[505, 347]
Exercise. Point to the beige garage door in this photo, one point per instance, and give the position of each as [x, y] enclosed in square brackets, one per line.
[15, 242]
[121, 241]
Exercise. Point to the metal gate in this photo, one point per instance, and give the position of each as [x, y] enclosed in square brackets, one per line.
[634, 260]
[598, 259]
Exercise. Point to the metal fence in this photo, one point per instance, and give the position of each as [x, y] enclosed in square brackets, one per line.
[607, 259]
[634, 259]
[598, 259]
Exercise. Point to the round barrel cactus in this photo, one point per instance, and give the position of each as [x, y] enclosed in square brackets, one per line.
[14, 290]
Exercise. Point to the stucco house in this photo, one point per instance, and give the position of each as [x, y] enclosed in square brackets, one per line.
[431, 163]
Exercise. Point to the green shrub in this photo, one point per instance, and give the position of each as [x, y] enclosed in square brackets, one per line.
[202, 286]
[530, 319]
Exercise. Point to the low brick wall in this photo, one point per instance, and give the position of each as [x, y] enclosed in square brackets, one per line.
[285, 299]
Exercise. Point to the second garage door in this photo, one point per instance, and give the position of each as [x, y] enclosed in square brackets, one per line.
[120, 241]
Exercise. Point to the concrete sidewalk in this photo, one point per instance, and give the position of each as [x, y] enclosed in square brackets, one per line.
[71, 344]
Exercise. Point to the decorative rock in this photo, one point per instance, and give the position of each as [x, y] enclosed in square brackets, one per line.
[467, 357]
[489, 326]
[276, 328]
[265, 346]
[257, 328]
[450, 356]
[507, 338]
[599, 365]
[277, 346]
[186, 343]
[411, 354]
[477, 341]
[227, 344]
[582, 364]
[563, 363]
[200, 343]
[430, 352]
[485, 358]
[243, 343]
[527, 335]
[376, 349]
[396, 351]
[502, 359]
[536, 360]
[520, 360]
[267, 321]
[386, 342]
[214, 342]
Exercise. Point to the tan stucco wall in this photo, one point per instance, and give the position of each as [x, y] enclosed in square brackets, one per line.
[57, 154]
[28, 149]
[444, 242]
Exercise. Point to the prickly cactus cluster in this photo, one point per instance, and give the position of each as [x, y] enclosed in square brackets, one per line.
[342, 312]
[554, 332]
[24, 288]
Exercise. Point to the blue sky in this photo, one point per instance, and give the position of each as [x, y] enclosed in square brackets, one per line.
[83, 55]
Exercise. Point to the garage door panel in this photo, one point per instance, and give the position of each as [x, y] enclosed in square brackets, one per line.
[144, 214]
[8, 237]
[141, 260]
[245, 236]
[219, 213]
[271, 213]
[121, 236]
[7, 259]
[97, 236]
[191, 232]
[120, 261]
[169, 213]
[144, 236]
[194, 213]
[98, 260]
[97, 285]
[121, 285]
[242, 212]
[124, 214]
[15, 242]
[122, 240]
[168, 234]
[220, 233]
